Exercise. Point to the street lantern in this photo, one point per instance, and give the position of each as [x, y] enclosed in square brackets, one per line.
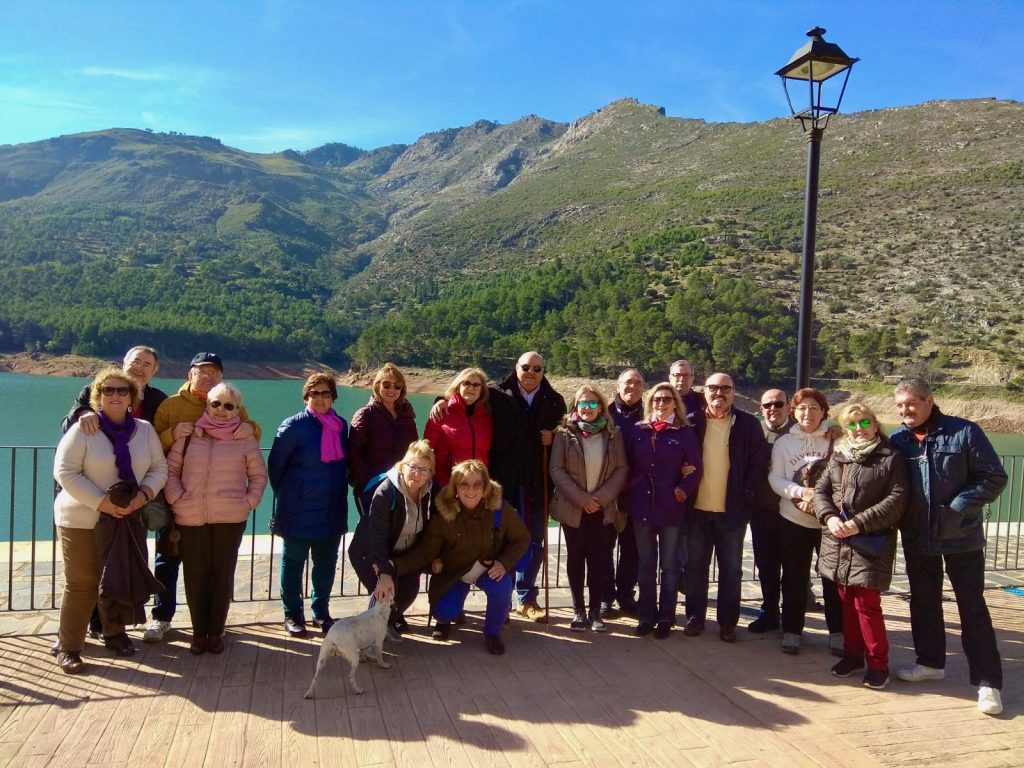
[816, 63]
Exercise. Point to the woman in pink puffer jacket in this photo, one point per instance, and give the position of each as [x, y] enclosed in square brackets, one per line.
[215, 480]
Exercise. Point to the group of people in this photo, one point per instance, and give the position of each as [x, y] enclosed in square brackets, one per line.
[670, 475]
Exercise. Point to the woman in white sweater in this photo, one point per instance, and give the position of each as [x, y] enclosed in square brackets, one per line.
[798, 459]
[124, 460]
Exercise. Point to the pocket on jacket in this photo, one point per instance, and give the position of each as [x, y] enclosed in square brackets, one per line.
[231, 493]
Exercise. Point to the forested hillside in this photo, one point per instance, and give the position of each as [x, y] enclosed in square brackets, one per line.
[626, 237]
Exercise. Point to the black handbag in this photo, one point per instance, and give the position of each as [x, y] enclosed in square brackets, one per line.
[868, 545]
[156, 514]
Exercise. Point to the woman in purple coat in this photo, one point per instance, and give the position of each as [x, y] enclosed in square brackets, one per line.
[658, 448]
[381, 430]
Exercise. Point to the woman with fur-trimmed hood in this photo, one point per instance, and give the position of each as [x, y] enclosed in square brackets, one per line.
[476, 538]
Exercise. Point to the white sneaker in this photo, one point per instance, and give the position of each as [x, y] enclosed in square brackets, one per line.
[837, 644]
[919, 673]
[990, 702]
[155, 631]
[791, 643]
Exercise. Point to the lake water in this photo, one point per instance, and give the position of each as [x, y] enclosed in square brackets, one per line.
[36, 405]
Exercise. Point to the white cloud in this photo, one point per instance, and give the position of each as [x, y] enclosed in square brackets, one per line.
[146, 75]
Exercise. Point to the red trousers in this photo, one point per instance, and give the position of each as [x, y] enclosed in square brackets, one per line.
[863, 626]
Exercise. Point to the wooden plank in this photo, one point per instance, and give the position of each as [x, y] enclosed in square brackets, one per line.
[263, 749]
[335, 743]
[298, 732]
[370, 733]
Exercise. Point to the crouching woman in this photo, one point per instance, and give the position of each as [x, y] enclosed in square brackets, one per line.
[476, 538]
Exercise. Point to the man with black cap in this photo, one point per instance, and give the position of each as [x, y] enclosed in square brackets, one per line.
[174, 419]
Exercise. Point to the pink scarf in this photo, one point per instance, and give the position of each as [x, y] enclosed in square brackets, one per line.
[218, 430]
[330, 437]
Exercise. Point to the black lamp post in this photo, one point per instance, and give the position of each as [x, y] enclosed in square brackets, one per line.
[815, 63]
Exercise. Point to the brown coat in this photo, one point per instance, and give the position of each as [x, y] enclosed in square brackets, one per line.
[876, 491]
[569, 474]
[461, 537]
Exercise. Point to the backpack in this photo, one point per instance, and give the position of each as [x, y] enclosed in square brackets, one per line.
[363, 502]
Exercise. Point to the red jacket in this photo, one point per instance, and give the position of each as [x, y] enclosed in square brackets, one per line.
[459, 436]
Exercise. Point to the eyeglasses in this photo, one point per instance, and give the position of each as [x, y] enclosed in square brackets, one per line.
[319, 393]
[391, 385]
[470, 384]
[417, 470]
[774, 404]
[588, 404]
[680, 375]
[111, 391]
[474, 486]
[229, 407]
[524, 367]
[662, 399]
[715, 389]
[863, 424]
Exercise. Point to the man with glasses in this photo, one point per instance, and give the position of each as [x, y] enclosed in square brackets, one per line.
[680, 375]
[141, 363]
[954, 472]
[626, 409]
[538, 409]
[174, 419]
[736, 457]
[776, 420]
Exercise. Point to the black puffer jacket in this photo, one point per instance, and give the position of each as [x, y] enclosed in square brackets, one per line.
[875, 490]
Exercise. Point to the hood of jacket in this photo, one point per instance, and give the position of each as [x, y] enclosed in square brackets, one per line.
[450, 508]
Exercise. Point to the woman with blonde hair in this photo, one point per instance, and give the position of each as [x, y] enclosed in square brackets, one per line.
[393, 524]
[658, 448]
[476, 539]
[863, 491]
[381, 430]
[466, 429]
[588, 469]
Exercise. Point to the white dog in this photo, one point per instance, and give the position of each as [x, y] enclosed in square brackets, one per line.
[352, 634]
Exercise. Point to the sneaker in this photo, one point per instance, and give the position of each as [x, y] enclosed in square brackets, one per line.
[579, 622]
[55, 648]
[847, 666]
[837, 644]
[876, 678]
[394, 635]
[533, 612]
[606, 611]
[919, 673]
[400, 625]
[763, 624]
[442, 630]
[990, 702]
[791, 643]
[326, 624]
[295, 628]
[155, 631]
[597, 623]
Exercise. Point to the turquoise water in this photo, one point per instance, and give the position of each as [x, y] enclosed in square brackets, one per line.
[36, 405]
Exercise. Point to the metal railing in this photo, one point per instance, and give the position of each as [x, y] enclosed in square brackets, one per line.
[33, 565]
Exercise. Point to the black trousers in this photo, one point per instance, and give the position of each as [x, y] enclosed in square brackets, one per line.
[209, 554]
[798, 546]
[765, 531]
[967, 575]
[407, 586]
[588, 555]
[622, 582]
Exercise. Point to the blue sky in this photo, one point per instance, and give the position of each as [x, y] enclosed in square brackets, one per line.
[268, 75]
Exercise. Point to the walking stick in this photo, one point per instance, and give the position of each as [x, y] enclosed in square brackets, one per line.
[544, 479]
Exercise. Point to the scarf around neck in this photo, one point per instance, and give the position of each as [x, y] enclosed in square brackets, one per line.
[330, 437]
[589, 428]
[119, 435]
[219, 430]
[858, 452]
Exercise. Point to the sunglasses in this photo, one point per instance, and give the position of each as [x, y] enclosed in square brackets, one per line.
[524, 367]
[663, 399]
[111, 391]
[229, 407]
[773, 404]
[715, 389]
[588, 404]
[863, 424]
[470, 384]
[319, 393]
[390, 385]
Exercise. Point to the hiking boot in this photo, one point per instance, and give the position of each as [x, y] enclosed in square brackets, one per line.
[533, 612]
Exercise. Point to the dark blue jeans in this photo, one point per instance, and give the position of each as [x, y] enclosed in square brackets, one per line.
[293, 561]
[622, 580]
[711, 531]
[499, 597]
[657, 545]
[165, 569]
[532, 512]
[967, 575]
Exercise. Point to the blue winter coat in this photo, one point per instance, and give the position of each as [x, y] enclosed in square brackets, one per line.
[954, 472]
[656, 460]
[312, 497]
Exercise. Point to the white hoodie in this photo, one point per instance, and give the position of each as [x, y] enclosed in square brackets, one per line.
[789, 453]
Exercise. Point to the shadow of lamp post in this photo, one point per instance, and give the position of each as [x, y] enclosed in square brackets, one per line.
[814, 63]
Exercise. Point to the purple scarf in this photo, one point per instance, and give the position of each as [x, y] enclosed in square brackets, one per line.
[218, 430]
[330, 437]
[119, 435]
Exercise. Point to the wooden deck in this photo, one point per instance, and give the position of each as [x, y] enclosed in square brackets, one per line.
[556, 698]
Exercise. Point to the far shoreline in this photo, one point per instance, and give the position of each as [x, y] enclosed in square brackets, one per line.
[991, 414]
